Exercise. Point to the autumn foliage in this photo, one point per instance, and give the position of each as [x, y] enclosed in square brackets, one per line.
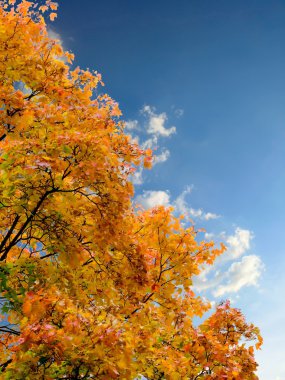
[92, 288]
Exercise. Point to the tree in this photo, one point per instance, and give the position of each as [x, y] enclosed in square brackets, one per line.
[90, 287]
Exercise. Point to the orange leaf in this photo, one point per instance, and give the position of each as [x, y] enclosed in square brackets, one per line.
[54, 6]
[52, 16]
[27, 307]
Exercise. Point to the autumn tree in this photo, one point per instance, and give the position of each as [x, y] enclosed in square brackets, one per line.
[90, 287]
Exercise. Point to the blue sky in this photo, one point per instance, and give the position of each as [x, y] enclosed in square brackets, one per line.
[204, 82]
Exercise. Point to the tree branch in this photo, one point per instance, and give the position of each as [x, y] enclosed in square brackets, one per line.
[9, 233]
[5, 364]
[23, 227]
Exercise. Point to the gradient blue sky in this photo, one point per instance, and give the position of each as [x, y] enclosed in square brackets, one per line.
[216, 71]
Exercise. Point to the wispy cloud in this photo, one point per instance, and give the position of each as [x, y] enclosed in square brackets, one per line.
[151, 143]
[179, 112]
[162, 157]
[180, 202]
[182, 207]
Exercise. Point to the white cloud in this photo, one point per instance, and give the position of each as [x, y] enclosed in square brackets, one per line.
[195, 213]
[153, 198]
[162, 157]
[132, 124]
[210, 215]
[240, 274]
[137, 177]
[135, 139]
[154, 129]
[238, 243]
[222, 278]
[156, 122]
[243, 273]
[180, 202]
[150, 143]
